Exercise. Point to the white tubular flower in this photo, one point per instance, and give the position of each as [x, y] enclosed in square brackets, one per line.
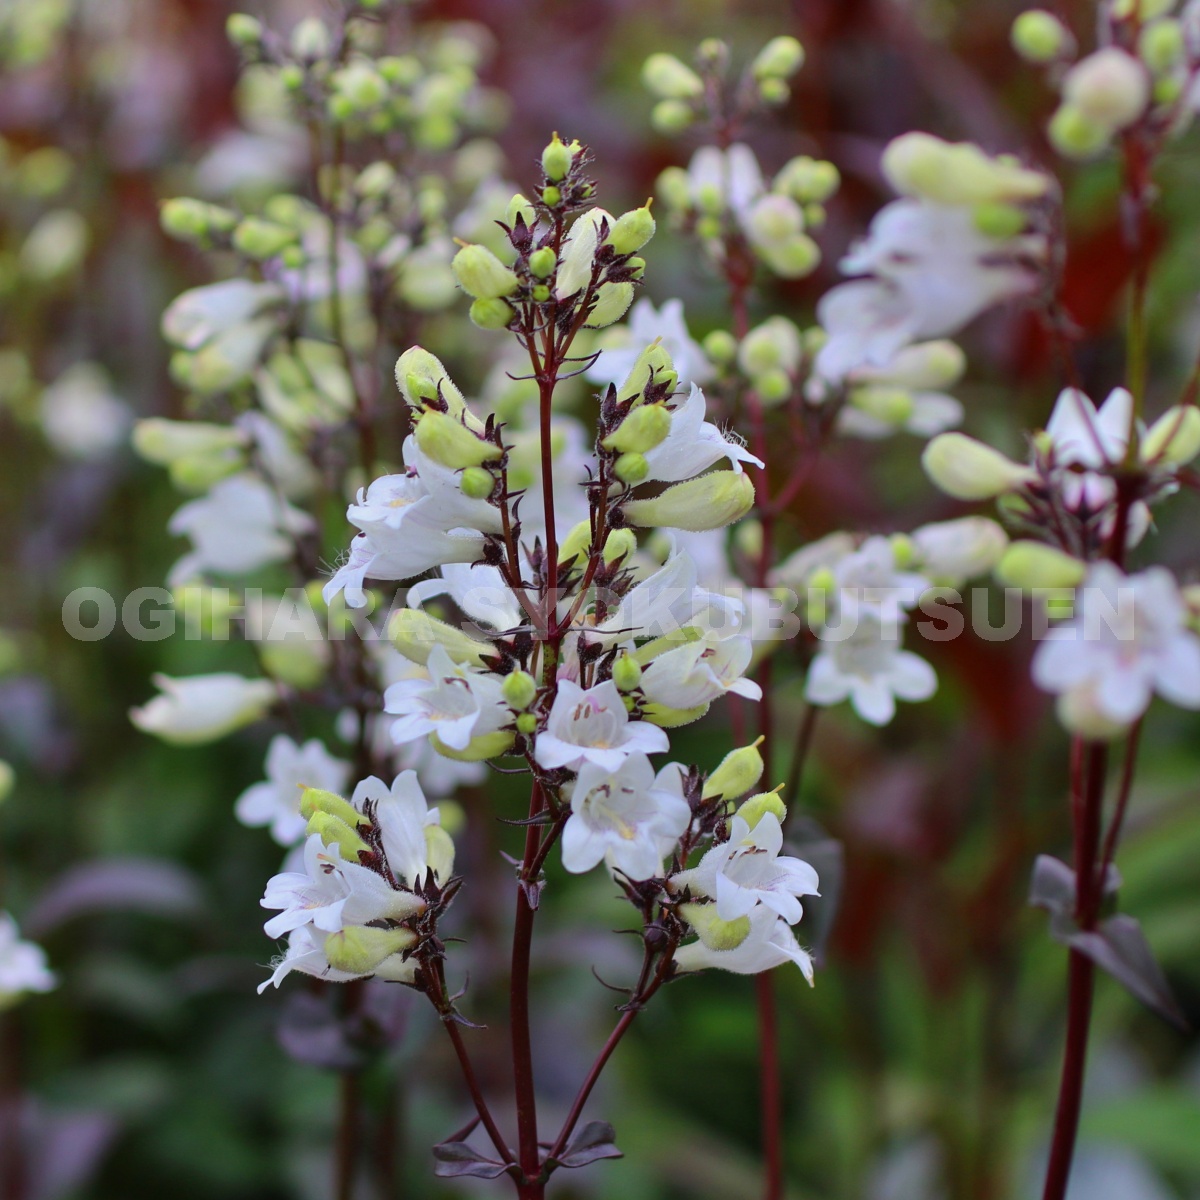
[699, 672]
[868, 581]
[1083, 436]
[950, 552]
[331, 893]
[239, 527]
[622, 817]
[824, 554]
[693, 444]
[200, 314]
[480, 592]
[22, 965]
[869, 670]
[647, 325]
[454, 702]
[289, 469]
[579, 252]
[81, 417]
[748, 870]
[1128, 640]
[730, 179]
[202, 708]
[290, 769]
[769, 942]
[404, 819]
[306, 954]
[593, 726]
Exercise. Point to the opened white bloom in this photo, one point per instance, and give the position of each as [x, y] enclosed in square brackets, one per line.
[202, 708]
[868, 580]
[699, 672]
[80, 415]
[22, 965]
[693, 445]
[290, 769]
[725, 179]
[870, 670]
[1129, 639]
[950, 552]
[239, 527]
[646, 325]
[748, 870]
[624, 818]
[593, 726]
[405, 823]
[769, 942]
[455, 702]
[199, 314]
[1086, 440]
[824, 554]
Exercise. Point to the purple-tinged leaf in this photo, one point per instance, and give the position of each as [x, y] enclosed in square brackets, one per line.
[458, 1159]
[596, 1140]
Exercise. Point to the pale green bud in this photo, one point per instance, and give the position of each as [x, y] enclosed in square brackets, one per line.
[713, 932]
[645, 427]
[780, 58]
[315, 800]
[904, 551]
[577, 542]
[627, 673]
[1075, 135]
[749, 539]
[360, 85]
[822, 586]
[773, 387]
[415, 633]
[311, 39]
[671, 117]
[375, 181]
[1029, 565]
[775, 218]
[620, 543]
[968, 470]
[653, 364]
[756, 807]
[55, 246]
[335, 832]
[259, 239]
[551, 196]
[360, 949]
[527, 723]
[648, 652]
[519, 206]
[520, 689]
[477, 483]
[7, 779]
[807, 180]
[198, 472]
[542, 263]
[1109, 87]
[892, 406]
[243, 29]
[612, 303]
[1146, 10]
[1168, 89]
[557, 159]
[735, 775]
[671, 79]
[998, 220]
[632, 230]
[772, 90]
[491, 314]
[1040, 37]
[439, 852]
[773, 345]
[1161, 45]
[792, 258]
[674, 189]
[1174, 439]
[631, 468]
[44, 172]
[162, 441]
[708, 502]
[669, 718]
[420, 377]
[190, 220]
[720, 347]
[490, 745]
[482, 275]
[919, 164]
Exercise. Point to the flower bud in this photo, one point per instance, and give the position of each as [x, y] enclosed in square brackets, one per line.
[670, 79]
[450, 443]
[482, 275]
[55, 246]
[520, 689]
[375, 181]
[519, 206]
[1174, 439]
[780, 58]
[360, 86]
[421, 377]
[202, 708]
[1032, 565]
[643, 428]
[775, 344]
[190, 220]
[653, 365]
[1146, 10]
[527, 723]
[632, 230]
[631, 468]
[542, 263]
[774, 218]
[439, 852]
[649, 651]
[620, 543]
[671, 117]
[1001, 221]
[951, 551]
[892, 406]
[612, 303]
[749, 539]
[259, 239]
[627, 673]
[772, 90]
[359, 949]
[1040, 37]
[1161, 45]
[557, 159]
[311, 39]
[756, 807]
[489, 745]
[162, 441]
[708, 502]
[919, 164]
[793, 258]
[1110, 88]
[1075, 135]
[720, 347]
[415, 633]
[315, 800]
[243, 29]
[333, 831]
[736, 774]
[713, 932]
[968, 470]
[491, 314]
[666, 717]
[674, 189]
[807, 180]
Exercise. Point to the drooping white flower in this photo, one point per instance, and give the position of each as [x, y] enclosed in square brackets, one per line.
[950, 552]
[306, 954]
[290, 769]
[404, 819]
[196, 709]
[693, 445]
[730, 179]
[870, 670]
[623, 818]
[646, 325]
[868, 580]
[769, 943]
[1088, 439]
[1128, 640]
[196, 316]
[748, 870]
[454, 702]
[699, 672]
[22, 965]
[593, 726]
[80, 415]
[239, 527]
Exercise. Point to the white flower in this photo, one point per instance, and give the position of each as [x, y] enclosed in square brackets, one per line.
[647, 325]
[622, 817]
[478, 590]
[199, 314]
[593, 726]
[953, 551]
[1128, 641]
[202, 708]
[289, 469]
[729, 179]
[22, 964]
[81, 417]
[290, 769]
[693, 445]
[869, 581]
[403, 816]
[454, 702]
[825, 553]
[769, 944]
[579, 252]
[1083, 436]
[870, 670]
[306, 954]
[748, 870]
[699, 672]
[240, 526]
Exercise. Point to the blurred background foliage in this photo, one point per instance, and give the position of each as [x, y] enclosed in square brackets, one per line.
[923, 1065]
